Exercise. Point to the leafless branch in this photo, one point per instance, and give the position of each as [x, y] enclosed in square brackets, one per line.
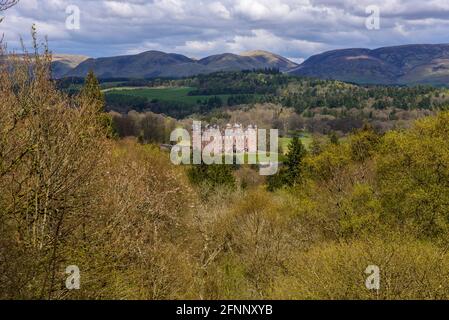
[6, 4]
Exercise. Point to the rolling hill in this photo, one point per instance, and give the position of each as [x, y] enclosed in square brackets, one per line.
[398, 65]
[152, 64]
[61, 63]
[404, 65]
[64, 63]
[266, 57]
[144, 65]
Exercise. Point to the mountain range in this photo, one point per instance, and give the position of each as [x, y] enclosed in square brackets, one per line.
[151, 64]
[403, 65]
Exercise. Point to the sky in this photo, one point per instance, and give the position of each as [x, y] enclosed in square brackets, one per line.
[295, 29]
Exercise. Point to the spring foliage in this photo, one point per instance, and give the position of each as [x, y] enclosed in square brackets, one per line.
[139, 229]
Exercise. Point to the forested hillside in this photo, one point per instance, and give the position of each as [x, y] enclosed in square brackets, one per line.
[316, 106]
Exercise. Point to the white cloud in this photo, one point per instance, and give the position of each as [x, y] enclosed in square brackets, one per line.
[400, 28]
[199, 47]
[265, 39]
[257, 39]
[297, 60]
[220, 10]
[293, 28]
[172, 8]
[120, 9]
[262, 9]
[30, 4]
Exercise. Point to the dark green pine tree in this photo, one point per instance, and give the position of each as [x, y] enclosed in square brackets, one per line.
[293, 163]
[290, 174]
[91, 92]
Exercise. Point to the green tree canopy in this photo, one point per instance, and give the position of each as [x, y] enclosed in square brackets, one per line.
[290, 174]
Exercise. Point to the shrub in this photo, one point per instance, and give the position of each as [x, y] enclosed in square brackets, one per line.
[409, 269]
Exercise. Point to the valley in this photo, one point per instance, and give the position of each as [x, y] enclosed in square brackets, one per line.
[150, 150]
[361, 178]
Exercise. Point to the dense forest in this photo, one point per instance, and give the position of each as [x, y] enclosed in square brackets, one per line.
[266, 98]
[259, 86]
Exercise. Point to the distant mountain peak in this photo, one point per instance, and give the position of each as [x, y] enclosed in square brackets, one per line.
[64, 63]
[282, 63]
[256, 53]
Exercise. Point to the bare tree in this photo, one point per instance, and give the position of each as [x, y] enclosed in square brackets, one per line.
[6, 4]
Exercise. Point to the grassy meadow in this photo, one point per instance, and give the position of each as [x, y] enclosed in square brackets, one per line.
[177, 94]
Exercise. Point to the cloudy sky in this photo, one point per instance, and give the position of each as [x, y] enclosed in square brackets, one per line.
[293, 28]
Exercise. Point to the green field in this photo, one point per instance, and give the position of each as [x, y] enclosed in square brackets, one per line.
[179, 94]
[306, 139]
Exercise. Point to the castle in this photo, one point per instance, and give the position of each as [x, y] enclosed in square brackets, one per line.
[233, 138]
